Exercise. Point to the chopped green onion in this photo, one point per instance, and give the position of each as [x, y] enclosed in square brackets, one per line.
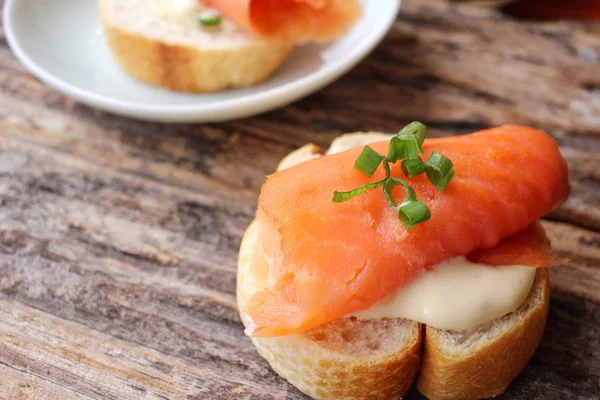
[413, 167]
[440, 170]
[368, 161]
[412, 213]
[340, 197]
[415, 128]
[404, 147]
[389, 187]
[387, 191]
[212, 20]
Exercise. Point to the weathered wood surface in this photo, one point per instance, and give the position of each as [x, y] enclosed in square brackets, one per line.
[118, 239]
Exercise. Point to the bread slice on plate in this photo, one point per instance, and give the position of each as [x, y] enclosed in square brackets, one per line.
[162, 44]
[381, 359]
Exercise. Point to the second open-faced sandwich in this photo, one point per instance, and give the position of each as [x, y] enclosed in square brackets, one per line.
[372, 265]
[210, 45]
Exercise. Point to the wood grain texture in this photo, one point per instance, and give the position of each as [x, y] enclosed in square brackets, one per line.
[118, 238]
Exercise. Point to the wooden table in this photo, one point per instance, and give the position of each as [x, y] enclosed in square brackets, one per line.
[118, 238]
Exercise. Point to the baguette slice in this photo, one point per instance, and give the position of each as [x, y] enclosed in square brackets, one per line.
[348, 358]
[483, 362]
[380, 359]
[344, 359]
[176, 54]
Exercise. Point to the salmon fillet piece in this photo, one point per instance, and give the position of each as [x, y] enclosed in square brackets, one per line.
[530, 247]
[316, 261]
[296, 21]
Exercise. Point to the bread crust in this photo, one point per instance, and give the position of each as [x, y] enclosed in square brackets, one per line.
[186, 68]
[488, 370]
[325, 377]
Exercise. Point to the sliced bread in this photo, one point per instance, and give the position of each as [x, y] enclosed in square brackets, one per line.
[348, 358]
[344, 359]
[481, 363]
[166, 47]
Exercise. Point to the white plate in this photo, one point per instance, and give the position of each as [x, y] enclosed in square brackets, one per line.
[61, 42]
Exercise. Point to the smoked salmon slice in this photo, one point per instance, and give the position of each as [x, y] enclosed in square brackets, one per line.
[296, 21]
[530, 247]
[315, 261]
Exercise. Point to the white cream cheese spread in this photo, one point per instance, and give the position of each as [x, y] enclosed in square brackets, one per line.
[457, 295]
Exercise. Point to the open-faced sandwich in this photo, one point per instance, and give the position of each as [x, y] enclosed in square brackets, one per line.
[210, 45]
[408, 259]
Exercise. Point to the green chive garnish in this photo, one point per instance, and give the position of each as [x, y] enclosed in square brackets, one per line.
[368, 161]
[440, 170]
[209, 21]
[413, 167]
[407, 143]
[405, 147]
[340, 197]
[389, 186]
[413, 212]
[417, 129]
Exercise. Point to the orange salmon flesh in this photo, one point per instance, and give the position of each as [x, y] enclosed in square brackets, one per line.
[316, 261]
[296, 21]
